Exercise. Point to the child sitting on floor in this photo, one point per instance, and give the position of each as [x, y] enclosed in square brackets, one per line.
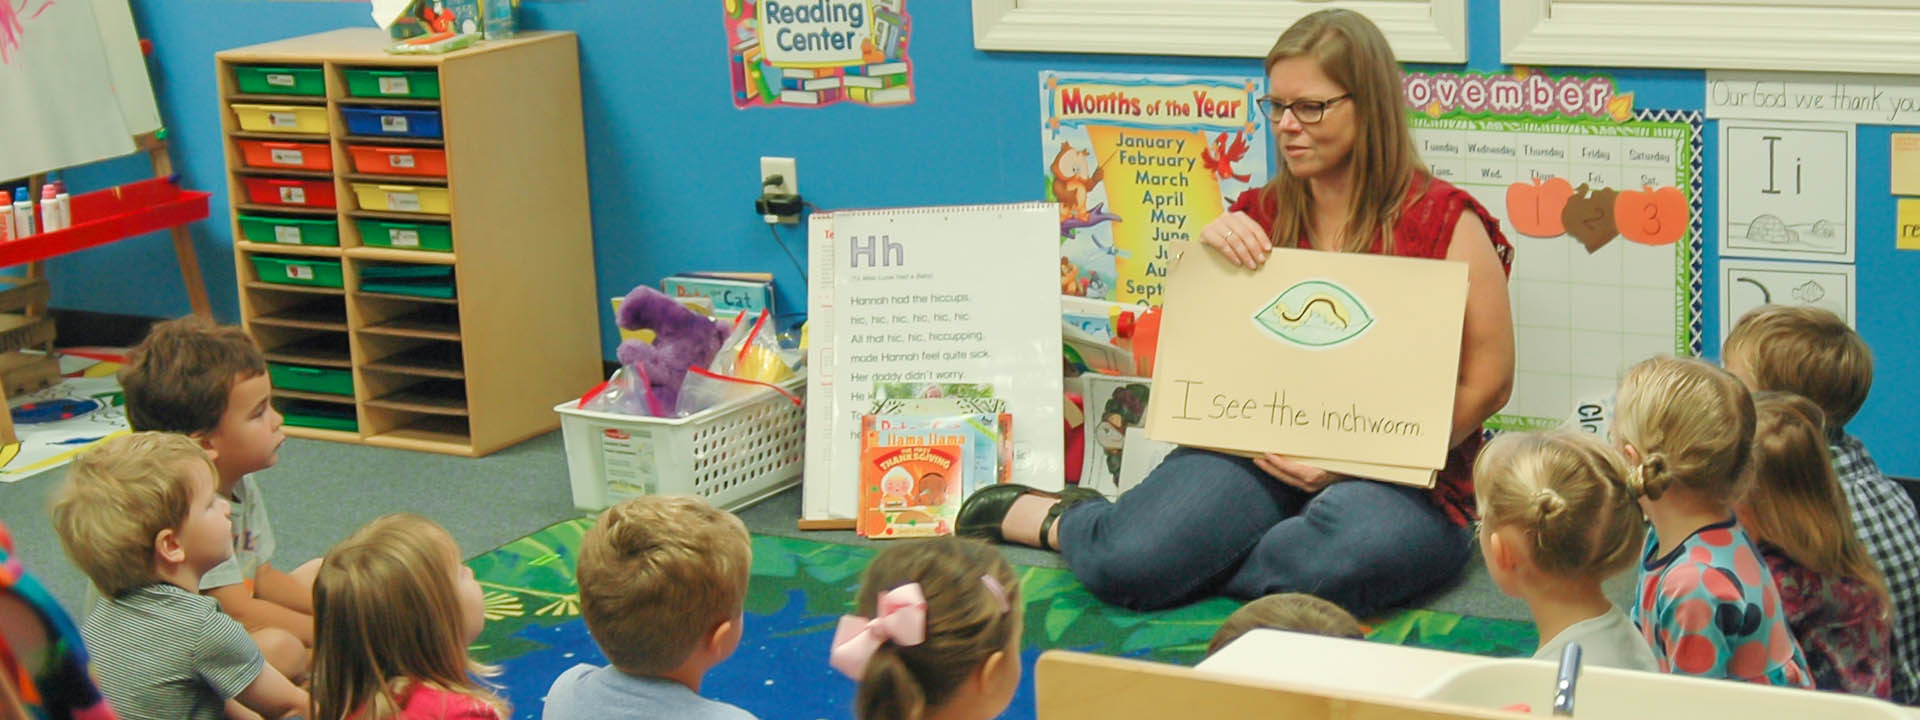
[1835, 598]
[663, 586]
[1707, 603]
[1812, 353]
[937, 633]
[1296, 612]
[394, 612]
[138, 513]
[1557, 520]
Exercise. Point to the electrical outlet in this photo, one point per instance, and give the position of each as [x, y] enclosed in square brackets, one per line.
[784, 167]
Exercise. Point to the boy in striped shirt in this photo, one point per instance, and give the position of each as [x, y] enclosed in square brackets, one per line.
[140, 516]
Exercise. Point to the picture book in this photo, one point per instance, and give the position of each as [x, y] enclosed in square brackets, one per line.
[911, 478]
[983, 421]
[1114, 404]
[730, 296]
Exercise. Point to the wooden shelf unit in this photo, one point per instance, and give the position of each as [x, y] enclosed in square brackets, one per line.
[481, 371]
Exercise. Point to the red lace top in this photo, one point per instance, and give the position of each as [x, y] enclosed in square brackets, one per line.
[1425, 230]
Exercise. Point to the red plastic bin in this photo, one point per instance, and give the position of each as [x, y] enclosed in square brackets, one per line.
[379, 160]
[286, 155]
[281, 191]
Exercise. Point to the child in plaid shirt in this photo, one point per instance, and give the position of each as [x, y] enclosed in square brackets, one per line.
[1812, 353]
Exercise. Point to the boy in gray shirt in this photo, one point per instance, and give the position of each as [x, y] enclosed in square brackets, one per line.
[662, 584]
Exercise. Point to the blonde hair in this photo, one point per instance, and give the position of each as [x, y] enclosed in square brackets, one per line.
[1566, 491]
[178, 377]
[1692, 425]
[1806, 351]
[117, 497]
[386, 618]
[657, 574]
[1350, 49]
[967, 623]
[1796, 503]
[1298, 612]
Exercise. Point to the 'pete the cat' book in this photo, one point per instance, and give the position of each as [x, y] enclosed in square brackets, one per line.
[910, 477]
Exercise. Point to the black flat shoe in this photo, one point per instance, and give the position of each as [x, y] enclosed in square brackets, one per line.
[984, 511]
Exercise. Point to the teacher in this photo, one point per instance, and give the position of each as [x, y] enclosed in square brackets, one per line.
[1205, 523]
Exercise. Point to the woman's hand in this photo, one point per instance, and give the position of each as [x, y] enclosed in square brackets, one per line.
[1239, 238]
[1305, 477]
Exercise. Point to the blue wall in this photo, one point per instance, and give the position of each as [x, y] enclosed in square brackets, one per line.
[674, 166]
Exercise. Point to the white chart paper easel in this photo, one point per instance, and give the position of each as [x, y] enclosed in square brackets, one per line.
[964, 294]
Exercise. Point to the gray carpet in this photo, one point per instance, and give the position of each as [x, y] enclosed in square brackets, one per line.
[321, 491]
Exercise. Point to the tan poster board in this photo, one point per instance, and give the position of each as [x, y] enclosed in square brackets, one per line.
[1348, 359]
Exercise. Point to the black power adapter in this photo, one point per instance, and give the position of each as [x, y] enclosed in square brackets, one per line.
[775, 206]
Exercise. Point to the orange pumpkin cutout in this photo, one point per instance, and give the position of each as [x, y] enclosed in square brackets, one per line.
[1650, 216]
[1534, 208]
[1589, 217]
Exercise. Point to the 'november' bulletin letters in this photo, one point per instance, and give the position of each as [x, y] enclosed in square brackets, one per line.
[1340, 360]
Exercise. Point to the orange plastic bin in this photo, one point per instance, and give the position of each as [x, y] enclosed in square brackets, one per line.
[378, 160]
[286, 155]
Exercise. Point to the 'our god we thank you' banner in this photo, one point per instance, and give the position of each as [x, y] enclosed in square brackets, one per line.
[1344, 361]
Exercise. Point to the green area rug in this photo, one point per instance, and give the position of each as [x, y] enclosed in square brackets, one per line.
[800, 588]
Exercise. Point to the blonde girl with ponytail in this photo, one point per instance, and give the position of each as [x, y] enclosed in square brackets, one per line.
[937, 634]
[1707, 602]
[1557, 520]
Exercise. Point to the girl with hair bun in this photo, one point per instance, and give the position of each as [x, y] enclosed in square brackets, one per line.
[1557, 520]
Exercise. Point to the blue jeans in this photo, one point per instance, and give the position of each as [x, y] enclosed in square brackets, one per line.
[1205, 523]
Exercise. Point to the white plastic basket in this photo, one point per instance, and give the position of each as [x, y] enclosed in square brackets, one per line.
[733, 454]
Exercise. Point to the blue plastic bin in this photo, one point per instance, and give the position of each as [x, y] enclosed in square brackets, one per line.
[392, 122]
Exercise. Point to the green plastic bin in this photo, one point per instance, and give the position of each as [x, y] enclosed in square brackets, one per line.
[322, 416]
[405, 235]
[417, 84]
[271, 230]
[298, 271]
[268, 80]
[330, 381]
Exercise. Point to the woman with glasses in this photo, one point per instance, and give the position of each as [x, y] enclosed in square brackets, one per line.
[1206, 523]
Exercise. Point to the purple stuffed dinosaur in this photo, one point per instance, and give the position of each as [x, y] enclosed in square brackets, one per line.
[682, 339]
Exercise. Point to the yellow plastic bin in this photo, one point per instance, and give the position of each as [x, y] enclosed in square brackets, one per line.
[403, 198]
[303, 119]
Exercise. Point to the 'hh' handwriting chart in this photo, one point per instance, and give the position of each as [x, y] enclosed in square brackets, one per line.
[1604, 220]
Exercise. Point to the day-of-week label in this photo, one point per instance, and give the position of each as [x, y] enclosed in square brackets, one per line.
[288, 157]
[286, 234]
[393, 123]
[404, 238]
[282, 79]
[403, 201]
[295, 195]
[299, 272]
[400, 161]
[393, 86]
[282, 119]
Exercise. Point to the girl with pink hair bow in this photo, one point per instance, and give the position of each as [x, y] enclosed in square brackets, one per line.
[937, 633]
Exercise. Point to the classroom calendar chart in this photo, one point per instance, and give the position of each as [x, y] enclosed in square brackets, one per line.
[1605, 223]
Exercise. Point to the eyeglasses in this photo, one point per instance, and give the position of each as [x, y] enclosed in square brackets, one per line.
[1307, 112]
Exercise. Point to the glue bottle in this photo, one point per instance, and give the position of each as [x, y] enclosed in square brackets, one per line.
[66, 208]
[22, 213]
[49, 209]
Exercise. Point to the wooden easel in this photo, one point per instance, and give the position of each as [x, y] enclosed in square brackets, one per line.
[24, 323]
